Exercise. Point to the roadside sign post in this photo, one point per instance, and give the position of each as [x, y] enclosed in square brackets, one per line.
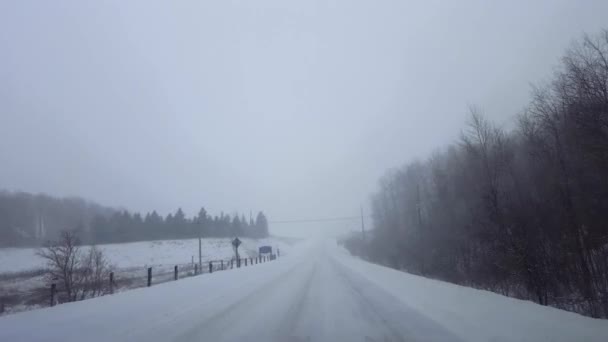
[236, 243]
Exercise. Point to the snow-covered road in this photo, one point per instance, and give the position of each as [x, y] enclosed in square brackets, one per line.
[319, 300]
[317, 293]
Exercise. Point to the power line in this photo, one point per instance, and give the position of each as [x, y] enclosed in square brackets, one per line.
[326, 219]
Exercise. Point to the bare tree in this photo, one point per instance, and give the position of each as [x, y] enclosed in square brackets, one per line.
[93, 273]
[79, 274]
[63, 257]
[519, 212]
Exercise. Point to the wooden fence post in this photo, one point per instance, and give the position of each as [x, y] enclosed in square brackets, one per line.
[210, 267]
[222, 265]
[245, 262]
[175, 272]
[149, 276]
[53, 290]
[111, 282]
[195, 269]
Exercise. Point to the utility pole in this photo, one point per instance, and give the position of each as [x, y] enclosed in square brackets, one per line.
[363, 242]
[418, 206]
[200, 257]
[362, 226]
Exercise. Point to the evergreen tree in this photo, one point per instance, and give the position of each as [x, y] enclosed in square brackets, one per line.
[236, 227]
[261, 225]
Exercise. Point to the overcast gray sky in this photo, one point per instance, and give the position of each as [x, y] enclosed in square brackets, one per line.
[291, 107]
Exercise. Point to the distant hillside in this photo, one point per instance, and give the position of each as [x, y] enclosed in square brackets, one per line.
[28, 219]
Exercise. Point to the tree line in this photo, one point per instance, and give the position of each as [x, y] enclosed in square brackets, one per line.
[522, 212]
[123, 226]
[27, 219]
[30, 220]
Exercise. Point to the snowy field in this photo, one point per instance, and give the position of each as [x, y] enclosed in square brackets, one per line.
[23, 285]
[316, 293]
[148, 253]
